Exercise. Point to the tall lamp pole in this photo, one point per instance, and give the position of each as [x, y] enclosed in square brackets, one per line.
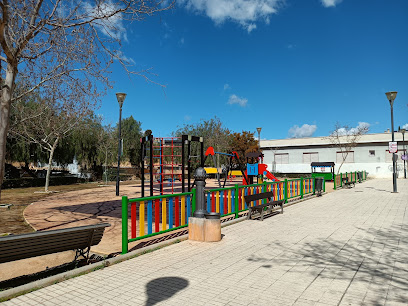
[121, 98]
[259, 129]
[391, 95]
[405, 153]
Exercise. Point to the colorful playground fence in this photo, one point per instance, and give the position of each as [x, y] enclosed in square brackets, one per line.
[352, 177]
[151, 216]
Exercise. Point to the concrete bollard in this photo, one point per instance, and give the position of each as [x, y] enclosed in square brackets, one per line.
[212, 227]
[196, 230]
[205, 230]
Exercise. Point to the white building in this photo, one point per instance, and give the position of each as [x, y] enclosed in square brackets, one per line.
[371, 153]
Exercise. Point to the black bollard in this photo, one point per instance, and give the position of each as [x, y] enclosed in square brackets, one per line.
[200, 175]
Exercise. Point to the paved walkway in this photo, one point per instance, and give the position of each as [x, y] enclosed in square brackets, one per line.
[348, 247]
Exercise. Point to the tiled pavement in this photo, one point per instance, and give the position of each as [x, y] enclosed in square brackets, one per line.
[349, 247]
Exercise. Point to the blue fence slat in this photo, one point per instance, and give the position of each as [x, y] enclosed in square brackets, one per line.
[149, 217]
[170, 213]
[222, 203]
[188, 203]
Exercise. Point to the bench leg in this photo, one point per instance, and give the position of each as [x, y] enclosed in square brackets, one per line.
[281, 208]
[262, 213]
[249, 213]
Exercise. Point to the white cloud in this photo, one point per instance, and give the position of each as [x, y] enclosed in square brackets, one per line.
[305, 130]
[112, 26]
[226, 87]
[244, 12]
[119, 55]
[405, 126]
[234, 99]
[187, 118]
[360, 127]
[329, 3]
[251, 27]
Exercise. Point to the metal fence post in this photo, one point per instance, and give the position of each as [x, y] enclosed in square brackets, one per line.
[301, 187]
[314, 185]
[286, 191]
[193, 201]
[125, 202]
[334, 181]
[236, 200]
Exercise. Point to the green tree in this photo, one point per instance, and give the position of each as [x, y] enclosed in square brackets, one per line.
[46, 122]
[131, 134]
[215, 135]
[243, 143]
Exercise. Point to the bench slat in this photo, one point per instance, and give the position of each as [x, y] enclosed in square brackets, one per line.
[43, 249]
[15, 247]
[259, 196]
[74, 240]
[38, 240]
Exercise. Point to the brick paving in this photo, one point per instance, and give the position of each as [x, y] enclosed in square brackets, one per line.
[349, 247]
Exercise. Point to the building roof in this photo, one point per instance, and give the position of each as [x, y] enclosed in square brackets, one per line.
[325, 141]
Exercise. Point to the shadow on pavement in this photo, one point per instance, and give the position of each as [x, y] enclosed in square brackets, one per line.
[163, 288]
[376, 260]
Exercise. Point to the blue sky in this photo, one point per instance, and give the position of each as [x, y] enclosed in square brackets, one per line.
[292, 67]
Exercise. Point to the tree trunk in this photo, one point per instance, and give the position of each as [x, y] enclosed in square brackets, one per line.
[47, 178]
[106, 166]
[342, 162]
[5, 104]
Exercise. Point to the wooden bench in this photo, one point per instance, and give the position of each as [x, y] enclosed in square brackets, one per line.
[261, 207]
[81, 238]
[347, 183]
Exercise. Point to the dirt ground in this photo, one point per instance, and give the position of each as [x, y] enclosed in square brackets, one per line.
[12, 220]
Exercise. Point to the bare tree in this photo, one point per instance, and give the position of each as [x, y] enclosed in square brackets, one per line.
[107, 146]
[46, 123]
[54, 45]
[345, 139]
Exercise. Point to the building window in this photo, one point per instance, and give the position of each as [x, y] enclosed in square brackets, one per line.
[282, 158]
[371, 153]
[310, 157]
[348, 157]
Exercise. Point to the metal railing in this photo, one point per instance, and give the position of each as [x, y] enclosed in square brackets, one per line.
[352, 177]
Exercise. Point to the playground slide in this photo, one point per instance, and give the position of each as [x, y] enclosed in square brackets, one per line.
[270, 176]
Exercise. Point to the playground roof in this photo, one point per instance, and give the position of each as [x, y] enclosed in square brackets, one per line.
[322, 164]
[254, 154]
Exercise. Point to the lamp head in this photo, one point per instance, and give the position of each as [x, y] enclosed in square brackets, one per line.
[259, 129]
[391, 95]
[121, 98]
[402, 131]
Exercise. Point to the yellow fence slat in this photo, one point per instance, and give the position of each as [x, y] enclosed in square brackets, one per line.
[183, 210]
[141, 219]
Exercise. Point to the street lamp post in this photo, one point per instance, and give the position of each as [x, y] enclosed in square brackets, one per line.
[121, 98]
[391, 95]
[405, 153]
[259, 129]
